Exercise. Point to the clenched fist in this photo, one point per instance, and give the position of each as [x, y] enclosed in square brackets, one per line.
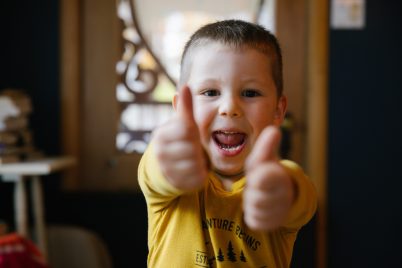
[178, 147]
[269, 191]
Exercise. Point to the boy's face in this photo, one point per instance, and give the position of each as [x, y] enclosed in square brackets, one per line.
[234, 99]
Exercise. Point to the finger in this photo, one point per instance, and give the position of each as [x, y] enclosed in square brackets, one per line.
[182, 176]
[264, 221]
[173, 131]
[259, 200]
[267, 176]
[185, 105]
[169, 151]
[266, 147]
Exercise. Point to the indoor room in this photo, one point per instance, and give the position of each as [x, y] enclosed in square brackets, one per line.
[85, 83]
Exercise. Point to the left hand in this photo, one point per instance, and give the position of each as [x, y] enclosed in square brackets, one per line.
[269, 191]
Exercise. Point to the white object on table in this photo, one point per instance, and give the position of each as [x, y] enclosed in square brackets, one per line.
[18, 173]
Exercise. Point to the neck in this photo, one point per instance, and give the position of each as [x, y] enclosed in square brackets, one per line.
[228, 180]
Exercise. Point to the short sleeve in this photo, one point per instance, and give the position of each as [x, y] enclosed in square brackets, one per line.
[305, 203]
[157, 190]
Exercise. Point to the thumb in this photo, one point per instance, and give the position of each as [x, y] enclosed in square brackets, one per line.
[266, 147]
[185, 105]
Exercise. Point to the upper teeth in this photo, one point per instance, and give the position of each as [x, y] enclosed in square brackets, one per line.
[228, 132]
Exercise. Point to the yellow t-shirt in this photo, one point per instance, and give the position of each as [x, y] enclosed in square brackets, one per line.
[205, 228]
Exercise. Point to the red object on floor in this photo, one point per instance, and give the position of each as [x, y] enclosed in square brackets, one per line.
[19, 252]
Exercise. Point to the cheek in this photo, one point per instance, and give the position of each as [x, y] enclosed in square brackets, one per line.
[262, 115]
[261, 118]
[198, 115]
[203, 120]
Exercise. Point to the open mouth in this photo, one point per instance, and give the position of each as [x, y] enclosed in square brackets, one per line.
[230, 143]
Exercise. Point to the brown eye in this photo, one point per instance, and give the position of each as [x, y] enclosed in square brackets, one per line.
[250, 93]
[210, 93]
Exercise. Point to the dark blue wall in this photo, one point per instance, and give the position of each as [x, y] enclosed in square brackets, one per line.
[365, 141]
[29, 53]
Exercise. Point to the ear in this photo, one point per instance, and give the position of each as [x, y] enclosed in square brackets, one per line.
[175, 100]
[280, 111]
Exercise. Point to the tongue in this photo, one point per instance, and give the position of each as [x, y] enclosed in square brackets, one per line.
[231, 139]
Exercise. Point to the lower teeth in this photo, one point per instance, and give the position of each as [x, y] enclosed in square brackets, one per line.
[228, 147]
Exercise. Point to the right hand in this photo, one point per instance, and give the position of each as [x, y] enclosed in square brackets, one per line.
[178, 147]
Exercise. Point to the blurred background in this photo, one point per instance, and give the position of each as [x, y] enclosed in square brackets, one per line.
[100, 75]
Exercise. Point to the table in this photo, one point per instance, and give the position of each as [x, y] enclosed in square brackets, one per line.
[18, 173]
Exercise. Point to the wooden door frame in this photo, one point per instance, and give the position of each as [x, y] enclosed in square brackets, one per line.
[316, 84]
[70, 87]
[317, 115]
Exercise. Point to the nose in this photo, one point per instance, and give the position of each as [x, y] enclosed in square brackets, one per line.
[230, 106]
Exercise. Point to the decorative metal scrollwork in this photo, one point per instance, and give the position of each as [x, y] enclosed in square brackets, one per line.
[135, 78]
[139, 70]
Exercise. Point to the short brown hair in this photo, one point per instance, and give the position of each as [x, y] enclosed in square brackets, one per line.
[238, 34]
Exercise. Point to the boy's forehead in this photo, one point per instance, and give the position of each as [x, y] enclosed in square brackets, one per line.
[198, 54]
[214, 46]
[218, 62]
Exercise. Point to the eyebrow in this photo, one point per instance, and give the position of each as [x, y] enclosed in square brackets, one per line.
[208, 81]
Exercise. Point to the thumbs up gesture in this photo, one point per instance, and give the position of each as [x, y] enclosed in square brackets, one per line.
[269, 191]
[178, 147]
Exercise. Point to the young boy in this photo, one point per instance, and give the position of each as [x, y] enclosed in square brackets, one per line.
[217, 193]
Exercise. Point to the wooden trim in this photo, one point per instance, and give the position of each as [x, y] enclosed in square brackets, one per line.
[317, 115]
[291, 31]
[70, 86]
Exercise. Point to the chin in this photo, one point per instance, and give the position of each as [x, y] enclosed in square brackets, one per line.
[227, 165]
[228, 169]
